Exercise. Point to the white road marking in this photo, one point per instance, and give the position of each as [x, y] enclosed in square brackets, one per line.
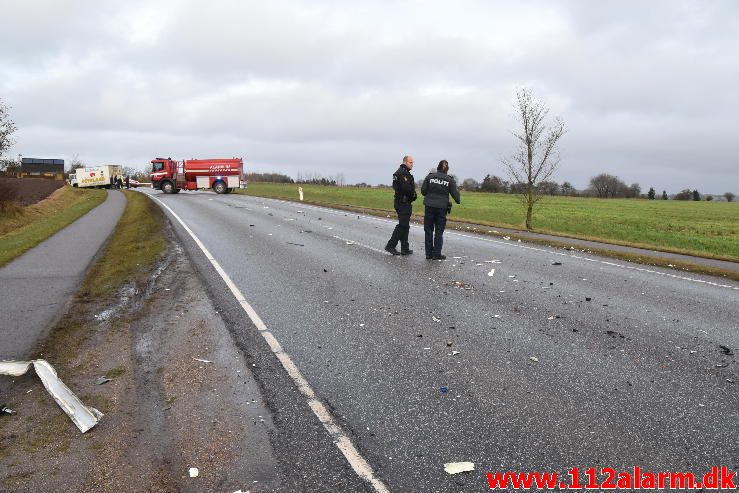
[340, 438]
[354, 242]
[520, 245]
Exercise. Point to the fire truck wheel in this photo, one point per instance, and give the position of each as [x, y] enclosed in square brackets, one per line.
[167, 187]
[219, 187]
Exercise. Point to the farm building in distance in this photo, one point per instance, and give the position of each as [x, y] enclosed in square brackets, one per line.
[42, 168]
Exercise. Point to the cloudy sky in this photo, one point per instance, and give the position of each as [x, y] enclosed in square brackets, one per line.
[648, 90]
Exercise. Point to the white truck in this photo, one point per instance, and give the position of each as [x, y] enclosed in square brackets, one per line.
[96, 176]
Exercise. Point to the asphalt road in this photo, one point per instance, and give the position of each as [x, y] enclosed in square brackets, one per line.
[554, 360]
[35, 287]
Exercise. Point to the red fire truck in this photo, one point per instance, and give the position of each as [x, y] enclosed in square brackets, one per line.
[220, 175]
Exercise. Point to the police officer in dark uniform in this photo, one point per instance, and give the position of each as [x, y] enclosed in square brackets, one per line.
[436, 189]
[405, 194]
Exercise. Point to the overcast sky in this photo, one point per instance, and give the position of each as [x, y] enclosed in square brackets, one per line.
[648, 89]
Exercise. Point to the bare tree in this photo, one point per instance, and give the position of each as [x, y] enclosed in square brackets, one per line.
[7, 127]
[470, 185]
[537, 157]
[607, 186]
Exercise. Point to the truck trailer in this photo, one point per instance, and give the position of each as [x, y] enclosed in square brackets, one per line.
[96, 176]
[220, 175]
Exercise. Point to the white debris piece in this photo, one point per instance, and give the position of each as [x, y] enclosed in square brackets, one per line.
[194, 472]
[491, 273]
[202, 360]
[82, 416]
[457, 467]
[534, 359]
[435, 319]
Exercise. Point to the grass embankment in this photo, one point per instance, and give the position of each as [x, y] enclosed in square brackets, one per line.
[703, 229]
[23, 228]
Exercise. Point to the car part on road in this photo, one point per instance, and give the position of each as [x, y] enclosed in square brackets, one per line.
[457, 467]
[82, 416]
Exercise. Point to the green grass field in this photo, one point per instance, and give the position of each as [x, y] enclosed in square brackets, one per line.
[707, 229]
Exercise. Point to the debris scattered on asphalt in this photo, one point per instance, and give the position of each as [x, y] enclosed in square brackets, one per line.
[457, 467]
[496, 316]
[493, 262]
[194, 472]
[454, 353]
[82, 416]
[461, 285]
[534, 359]
[6, 410]
[102, 380]
[296, 244]
[726, 350]
[448, 343]
[491, 273]
[444, 390]
[588, 298]
[506, 238]
[556, 263]
[349, 242]
[202, 360]
[435, 319]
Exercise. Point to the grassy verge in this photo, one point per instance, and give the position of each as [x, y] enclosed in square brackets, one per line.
[22, 229]
[134, 247]
[703, 229]
[129, 257]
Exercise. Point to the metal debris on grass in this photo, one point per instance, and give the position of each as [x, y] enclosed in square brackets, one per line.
[458, 467]
[6, 410]
[102, 380]
[202, 360]
[82, 416]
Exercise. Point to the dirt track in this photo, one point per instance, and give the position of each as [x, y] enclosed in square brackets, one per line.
[27, 191]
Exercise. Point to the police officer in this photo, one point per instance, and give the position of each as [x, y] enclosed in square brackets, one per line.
[405, 194]
[436, 189]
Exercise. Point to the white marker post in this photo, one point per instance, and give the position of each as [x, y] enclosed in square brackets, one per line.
[300, 191]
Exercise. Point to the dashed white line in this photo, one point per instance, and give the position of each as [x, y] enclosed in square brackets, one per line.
[360, 466]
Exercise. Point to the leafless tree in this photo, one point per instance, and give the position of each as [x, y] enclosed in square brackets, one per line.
[538, 155]
[7, 127]
[607, 186]
[470, 185]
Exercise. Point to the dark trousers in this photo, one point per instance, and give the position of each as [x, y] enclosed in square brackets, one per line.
[434, 222]
[400, 233]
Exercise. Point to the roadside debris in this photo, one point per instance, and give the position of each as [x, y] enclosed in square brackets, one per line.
[82, 416]
[461, 285]
[444, 390]
[556, 263]
[202, 360]
[194, 472]
[534, 359]
[296, 244]
[435, 319]
[102, 380]
[491, 273]
[457, 467]
[726, 350]
[6, 410]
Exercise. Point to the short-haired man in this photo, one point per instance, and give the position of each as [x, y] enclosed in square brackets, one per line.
[436, 189]
[405, 194]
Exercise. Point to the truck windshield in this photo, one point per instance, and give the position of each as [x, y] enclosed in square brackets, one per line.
[157, 166]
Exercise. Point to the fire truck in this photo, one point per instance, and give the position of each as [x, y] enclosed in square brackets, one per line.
[219, 175]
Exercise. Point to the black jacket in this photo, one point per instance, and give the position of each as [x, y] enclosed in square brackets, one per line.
[436, 189]
[405, 189]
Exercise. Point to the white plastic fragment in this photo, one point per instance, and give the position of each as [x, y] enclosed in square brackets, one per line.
[82, 416]
[202, 360]
[457, 467]
[435, 319]
[194, 472]
[491, 273]
[534, 359]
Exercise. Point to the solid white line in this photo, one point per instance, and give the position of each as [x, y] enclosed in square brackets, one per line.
[514, 244]
[340, 438]
[353, 242]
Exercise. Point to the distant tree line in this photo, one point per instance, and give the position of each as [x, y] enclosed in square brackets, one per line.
[604, 186]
